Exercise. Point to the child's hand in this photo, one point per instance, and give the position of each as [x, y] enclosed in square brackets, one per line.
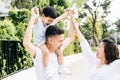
[35, 11]
[70, 11]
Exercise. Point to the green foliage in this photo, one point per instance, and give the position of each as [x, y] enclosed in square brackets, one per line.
[105, 25]
[86, 30]
[117, 23]
[20, 19]
[53, 2]
[93, 49]
[18, 16]
[96, 12]
[99, 29]
[77, 48]
[78, 2]
[60, 10]
[24, 57]
[41, 4]
[7, 30]
[13, 57]
[62, 3]
[22, 4]
[105, 6]
[20, 29]
[69, 50]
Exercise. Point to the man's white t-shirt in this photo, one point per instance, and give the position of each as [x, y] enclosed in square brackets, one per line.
[52, 66]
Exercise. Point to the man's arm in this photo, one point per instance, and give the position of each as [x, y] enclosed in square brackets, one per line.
[70, 37]
[28, 36]
[77, 31]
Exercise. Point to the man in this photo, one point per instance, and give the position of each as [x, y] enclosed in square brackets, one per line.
[54, 40]
[48, 17]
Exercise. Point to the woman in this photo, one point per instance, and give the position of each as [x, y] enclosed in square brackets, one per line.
[106, 63]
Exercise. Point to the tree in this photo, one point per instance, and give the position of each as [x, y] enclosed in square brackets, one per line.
[96, 11]
[62, 3]
[22, 4]
[117, 23]
[117, 31]
[78, 2]
[28, 4]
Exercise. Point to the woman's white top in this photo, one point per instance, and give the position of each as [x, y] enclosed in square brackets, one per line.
[106, 72]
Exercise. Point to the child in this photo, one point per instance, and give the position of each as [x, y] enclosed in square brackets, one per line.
[48, 17]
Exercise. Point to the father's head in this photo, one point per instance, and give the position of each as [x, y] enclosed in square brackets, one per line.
[54, 37]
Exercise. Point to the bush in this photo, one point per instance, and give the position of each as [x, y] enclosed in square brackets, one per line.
[20, 30]
[18, 16]
[69, 50]
[20, 19]
[13, 57]
[7, 30]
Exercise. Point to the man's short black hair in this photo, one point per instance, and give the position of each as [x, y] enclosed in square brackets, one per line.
[53, 30]
[49, 12]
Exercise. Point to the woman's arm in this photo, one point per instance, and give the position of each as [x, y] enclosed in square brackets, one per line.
[86, 49]
[70, 37]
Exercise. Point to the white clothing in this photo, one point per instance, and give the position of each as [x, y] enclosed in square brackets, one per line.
[106, 72]
[52, 66]
[39, 31]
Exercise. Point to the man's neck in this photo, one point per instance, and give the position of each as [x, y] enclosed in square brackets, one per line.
[50, 48]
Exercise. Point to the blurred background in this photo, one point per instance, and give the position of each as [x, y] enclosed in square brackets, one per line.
[97, 19]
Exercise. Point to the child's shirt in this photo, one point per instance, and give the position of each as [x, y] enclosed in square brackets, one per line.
[39, 31]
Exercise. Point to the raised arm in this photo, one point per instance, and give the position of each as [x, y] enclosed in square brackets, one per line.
[36, 11]
[77, 31]
[86, 49]
[61, 17]
[70, 37]
[28, 35]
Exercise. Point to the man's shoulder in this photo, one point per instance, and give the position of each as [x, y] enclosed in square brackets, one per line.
[38, 51]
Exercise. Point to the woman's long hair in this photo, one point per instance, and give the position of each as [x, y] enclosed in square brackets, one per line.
[111, 50]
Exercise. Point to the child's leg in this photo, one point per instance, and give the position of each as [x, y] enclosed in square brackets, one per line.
[45, 57]
[45, 52]
[62, 69]
[59, 57]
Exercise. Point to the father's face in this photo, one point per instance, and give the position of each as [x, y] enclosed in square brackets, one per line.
[57, 41]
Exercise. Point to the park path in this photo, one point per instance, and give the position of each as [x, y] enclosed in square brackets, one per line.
[76, 63]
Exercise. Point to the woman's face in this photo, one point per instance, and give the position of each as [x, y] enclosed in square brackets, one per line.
[100, 51]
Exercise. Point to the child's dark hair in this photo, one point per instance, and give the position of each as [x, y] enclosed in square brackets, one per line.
[53, 30]
[49, 12]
